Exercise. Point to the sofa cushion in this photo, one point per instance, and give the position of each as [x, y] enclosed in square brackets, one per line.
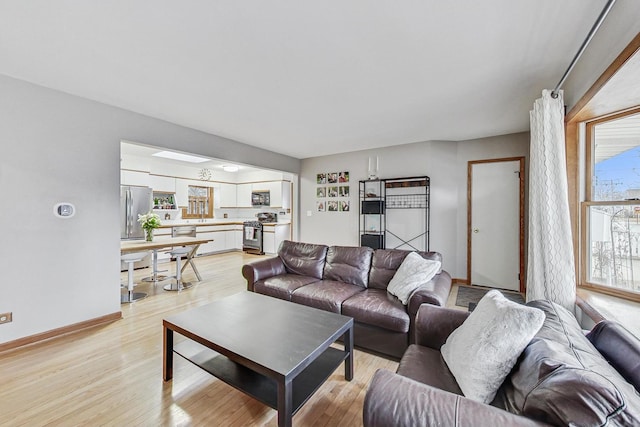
[619, 347]
[282, 286]
[482, 351]
[385, 263]
[413, 272]
[305, 259]
[348, 264]
[561, 378]
[325, 294]
[426, 365]
[377, 307]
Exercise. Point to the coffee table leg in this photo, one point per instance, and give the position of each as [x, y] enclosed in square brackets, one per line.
[348, 346]
[167, 354]
[285, 403]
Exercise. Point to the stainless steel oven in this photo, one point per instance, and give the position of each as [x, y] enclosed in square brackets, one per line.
[252, 237]
[252, 232]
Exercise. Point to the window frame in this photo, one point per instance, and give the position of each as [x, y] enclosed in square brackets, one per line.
[589, 171]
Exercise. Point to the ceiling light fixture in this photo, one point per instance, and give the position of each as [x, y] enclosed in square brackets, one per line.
[179, 156]
[230, 168]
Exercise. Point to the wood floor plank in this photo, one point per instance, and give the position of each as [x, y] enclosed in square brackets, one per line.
[111, 375]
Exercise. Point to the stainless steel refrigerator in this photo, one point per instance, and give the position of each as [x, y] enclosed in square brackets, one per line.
[133, 201]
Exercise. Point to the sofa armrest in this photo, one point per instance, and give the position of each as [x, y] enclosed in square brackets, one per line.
[434, 324]
[262, 269]
[394, 400]
[435, 292]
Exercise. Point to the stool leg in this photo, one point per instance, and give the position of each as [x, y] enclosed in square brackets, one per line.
[131, 296]
[178, 273]
[130, 285]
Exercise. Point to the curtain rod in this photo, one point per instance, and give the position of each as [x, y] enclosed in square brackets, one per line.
[586, 41]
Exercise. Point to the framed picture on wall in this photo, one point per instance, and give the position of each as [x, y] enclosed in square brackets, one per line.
[343, 176]
[321, 178]
[332, 177]
[343, 191]
[321, 192]
[320, 206]
[332, 191]
[332, 206]
[343, 206]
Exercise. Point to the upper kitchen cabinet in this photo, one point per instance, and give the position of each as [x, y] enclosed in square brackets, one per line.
[164, 184]
[226, 196]
[279, 192]
[134, 178]
[243, 195]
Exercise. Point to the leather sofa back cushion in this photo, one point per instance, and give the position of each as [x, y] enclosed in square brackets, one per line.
[386, 262]
[304, 259]
[348, 264]
[619, 347]
[561, 378]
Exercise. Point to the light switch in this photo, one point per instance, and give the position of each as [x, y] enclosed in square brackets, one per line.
[308, 213]
[64, 210]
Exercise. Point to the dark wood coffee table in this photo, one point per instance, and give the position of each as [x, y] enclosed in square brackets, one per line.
[273, 350]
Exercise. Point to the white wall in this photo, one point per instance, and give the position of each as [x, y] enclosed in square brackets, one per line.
[57, 147]
[445, 162]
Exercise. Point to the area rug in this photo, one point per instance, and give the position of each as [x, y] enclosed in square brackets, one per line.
[471, 295]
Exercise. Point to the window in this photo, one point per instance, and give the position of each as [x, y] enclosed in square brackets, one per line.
[612, 209]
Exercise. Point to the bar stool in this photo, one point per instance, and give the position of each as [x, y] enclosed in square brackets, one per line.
[178, 253]
[155, 277]
[130, 259]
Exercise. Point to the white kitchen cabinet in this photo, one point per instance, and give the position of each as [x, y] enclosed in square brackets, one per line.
[276, 192]
[227, 195]
[283, 232]
[217, 244]
[134, 178]
[163, 184]
[182, 194]
[286, 195]
[269, 239]
[243, 195]
[225, 238]
[273, 235]
[237, 237]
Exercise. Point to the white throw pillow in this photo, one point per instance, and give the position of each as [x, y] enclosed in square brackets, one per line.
[483, 350]
[413, 272]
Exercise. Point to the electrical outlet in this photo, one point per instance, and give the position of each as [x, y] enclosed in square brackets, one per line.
[6, 317]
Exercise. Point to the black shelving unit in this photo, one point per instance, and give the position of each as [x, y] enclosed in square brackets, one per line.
[371, 223]
[394, 213]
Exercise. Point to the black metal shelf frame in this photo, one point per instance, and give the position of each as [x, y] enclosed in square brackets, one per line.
[380, 198]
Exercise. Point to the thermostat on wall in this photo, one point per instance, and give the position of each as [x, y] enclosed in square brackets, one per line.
[64, 210]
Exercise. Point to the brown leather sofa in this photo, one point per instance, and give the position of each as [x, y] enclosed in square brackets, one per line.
[563, 377]
[351, 281]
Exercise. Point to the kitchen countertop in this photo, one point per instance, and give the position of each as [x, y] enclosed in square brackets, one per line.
[226, 221]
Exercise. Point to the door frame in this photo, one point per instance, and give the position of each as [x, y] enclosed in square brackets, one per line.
[521, 210]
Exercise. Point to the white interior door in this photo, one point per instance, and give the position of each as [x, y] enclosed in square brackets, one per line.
[495, 233]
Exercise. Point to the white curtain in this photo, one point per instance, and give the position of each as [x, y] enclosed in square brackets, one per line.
[550, 270]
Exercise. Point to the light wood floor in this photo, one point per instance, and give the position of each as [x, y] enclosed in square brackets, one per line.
[111, 375]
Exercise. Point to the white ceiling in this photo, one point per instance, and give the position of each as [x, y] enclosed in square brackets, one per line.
[304, 78]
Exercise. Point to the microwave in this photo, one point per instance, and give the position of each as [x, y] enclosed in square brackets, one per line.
[260, 198]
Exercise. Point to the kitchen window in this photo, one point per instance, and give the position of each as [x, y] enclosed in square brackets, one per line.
[611, 230]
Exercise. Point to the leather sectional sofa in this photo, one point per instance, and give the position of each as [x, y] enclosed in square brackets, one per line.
[563, 377]
[351, 281]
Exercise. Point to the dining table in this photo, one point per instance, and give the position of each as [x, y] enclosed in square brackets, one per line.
[165, 242]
